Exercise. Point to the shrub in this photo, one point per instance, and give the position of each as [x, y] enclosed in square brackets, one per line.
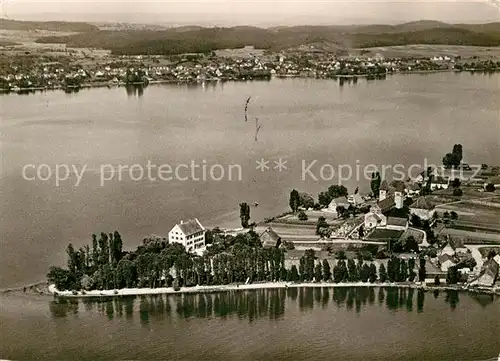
[490, 187]
[302, 216]
[457, 192]
[74, 292]
[115, 292]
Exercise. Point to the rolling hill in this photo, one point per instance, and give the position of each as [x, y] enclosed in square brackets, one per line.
[198, 39]
[60, 26]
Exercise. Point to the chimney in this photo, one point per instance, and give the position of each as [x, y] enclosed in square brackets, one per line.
[398, 200]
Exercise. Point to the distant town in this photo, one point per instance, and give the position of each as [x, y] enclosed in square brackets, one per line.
[438, 230]
[41, 73]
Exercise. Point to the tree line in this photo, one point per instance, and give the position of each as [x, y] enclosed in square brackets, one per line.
[230, 259]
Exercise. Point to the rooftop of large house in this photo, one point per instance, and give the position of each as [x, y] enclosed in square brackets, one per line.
[398, 186]
[445, 257]
[340, 200]
[269, 238]
[417, 235]
[383, 235]
[386, 204]
[490, 267]
[191, 227]
[397, 221]
[414, 187]
[422, 203]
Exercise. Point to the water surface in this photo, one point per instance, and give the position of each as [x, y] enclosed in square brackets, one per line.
[403, 119]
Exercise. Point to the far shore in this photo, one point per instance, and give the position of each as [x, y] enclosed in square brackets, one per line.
[254, 286]
[177, 81]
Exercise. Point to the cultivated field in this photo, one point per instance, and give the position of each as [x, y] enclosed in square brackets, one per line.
[431, 50]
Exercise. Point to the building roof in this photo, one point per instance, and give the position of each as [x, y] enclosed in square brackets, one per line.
[377, 216]
[414, 187]
[191, 227]
[384, 235]
[269, 238]
[417, 235]
[490, 267]
[445, 257]
[340, 200]
[397, 221]
[439, 180]
[398, 185]
[422, 203]
[386, 204]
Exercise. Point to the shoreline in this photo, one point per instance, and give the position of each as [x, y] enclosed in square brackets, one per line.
[381, 76]
[255, 286]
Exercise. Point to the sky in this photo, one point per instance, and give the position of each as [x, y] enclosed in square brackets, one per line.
[254, 12]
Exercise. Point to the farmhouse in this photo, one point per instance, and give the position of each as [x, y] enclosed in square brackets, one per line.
[422, 208]
[190, 234]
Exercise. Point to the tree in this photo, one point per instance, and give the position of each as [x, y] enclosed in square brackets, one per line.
[63, 279]
[340, 255]
[244, 214]
[364, 273]
[353, 271]
[437, 281]
[309, 257]
[452, 276]
[294, 274]
[450, 160]
[457, 151]
[411, 244]
[453, 215]
[336, 191]
[404, 271]
[340, 273]
[453, 159]
[327, 274]
[382, 273]
[306, 200]
[489, 187]
[457, 192]
[302, 216]
[416, 221]
[375, 183]
[294, 200]
[321, 224]
[373, 273]
[421, 271]
[342, 212]
[318, 274]
[361, 232]
[456, 183]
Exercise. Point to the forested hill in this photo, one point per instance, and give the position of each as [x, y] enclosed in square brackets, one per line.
[60, 26]
[174, 41]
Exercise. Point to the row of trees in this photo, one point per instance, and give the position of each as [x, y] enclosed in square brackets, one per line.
[156, 263]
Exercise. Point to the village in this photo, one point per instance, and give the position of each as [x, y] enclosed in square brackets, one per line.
[75, 68]
[452, 225]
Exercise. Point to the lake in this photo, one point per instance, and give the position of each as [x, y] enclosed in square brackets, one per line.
[295, 324]
[401, 120]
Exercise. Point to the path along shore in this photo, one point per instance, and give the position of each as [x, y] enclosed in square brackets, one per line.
[254, 286]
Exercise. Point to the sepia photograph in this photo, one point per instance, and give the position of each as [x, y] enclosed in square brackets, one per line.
[250, 180]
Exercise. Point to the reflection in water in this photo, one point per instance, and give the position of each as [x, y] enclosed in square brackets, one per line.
[252, 305]
[135, 89]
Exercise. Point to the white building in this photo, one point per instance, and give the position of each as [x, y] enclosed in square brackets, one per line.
[422, 208]
[190, 234]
